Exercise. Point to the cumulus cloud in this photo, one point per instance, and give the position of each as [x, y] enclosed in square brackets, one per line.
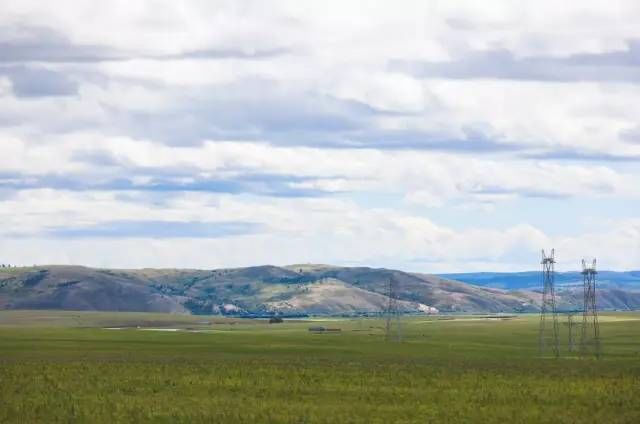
[38, 82]
[148, 230]
[380, 237]
[26, 44]
[631, 135]
[614, 66]
[426, 135]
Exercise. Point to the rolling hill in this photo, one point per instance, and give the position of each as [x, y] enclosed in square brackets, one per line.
[265, 290]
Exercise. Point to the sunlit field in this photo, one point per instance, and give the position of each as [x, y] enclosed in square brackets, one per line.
[123, 367]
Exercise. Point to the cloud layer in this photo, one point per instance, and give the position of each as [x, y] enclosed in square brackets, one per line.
[430, 136]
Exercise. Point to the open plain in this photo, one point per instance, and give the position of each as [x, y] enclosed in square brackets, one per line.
[58, 366]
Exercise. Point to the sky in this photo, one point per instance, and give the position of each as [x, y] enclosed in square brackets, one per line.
[431, 136]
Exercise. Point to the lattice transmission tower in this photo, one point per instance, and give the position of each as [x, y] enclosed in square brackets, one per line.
[548, 334]
[590, 340]
[393, 328]
[571, 326]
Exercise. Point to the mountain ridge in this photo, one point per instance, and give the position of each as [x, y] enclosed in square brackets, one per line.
[532, 279]
[299, 289]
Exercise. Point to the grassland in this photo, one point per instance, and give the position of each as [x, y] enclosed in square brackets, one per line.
[64, 367]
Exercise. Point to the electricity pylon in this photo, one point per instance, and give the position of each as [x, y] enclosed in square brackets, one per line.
[393, 330]
[590, 340]
[548, 334]
[571, 324]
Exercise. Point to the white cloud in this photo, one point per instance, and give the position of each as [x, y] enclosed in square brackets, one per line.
[304, 231]
[252, 107]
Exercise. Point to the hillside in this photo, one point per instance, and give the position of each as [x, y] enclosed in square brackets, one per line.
[264, 290]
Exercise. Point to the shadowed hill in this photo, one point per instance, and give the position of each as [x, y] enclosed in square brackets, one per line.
[80, 288]
[296, 289]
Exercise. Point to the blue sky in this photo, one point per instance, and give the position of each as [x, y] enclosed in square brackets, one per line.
[429, 136]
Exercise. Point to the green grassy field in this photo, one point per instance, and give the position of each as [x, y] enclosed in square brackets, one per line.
[63, 367]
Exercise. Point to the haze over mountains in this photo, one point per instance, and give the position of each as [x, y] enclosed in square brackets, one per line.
[293, 290]
[531, 279]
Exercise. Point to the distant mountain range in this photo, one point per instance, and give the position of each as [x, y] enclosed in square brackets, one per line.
[532, 279]
[292, 290]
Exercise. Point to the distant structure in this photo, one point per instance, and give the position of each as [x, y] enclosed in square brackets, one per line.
[590, 340]
[393, 330]
[571, 325]
[548, 334]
